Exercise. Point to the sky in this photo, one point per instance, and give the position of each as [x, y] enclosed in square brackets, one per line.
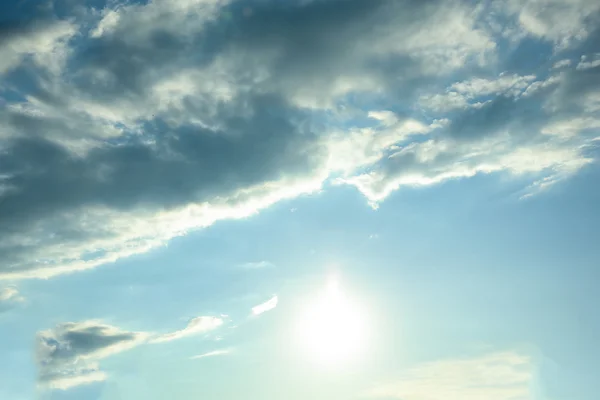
[299, 199]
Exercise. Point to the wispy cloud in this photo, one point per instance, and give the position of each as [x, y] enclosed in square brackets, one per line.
[258, 265]
[266, 306]
[9, 298]
[196, 326]
[498, 376]
[213, 353]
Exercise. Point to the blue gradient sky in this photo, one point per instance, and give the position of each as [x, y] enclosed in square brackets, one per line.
[165, 168]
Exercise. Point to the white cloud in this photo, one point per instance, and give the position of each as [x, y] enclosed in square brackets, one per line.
[107, 23]
[137, 22]
[446, 102]
[349, 150]
[465, 94]
[562, 64]
[258, 265]
[511, 84]
[448, 38]
[537, 86]
[196, 326]
[588, 62]
[72, 378]
[45, 43]
[565, 23]
[569, 128]
[9, 294]
[9, 298]
[435, 161]
[498, 376]
[213, 353]
[266, 306]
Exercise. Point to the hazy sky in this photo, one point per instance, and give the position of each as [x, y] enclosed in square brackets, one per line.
[299, 199]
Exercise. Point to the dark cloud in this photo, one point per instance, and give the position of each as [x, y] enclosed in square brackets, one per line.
[66, 355]
[75, 340]
[179, 165]
[166, 168]
[306, 47]
[152, 108]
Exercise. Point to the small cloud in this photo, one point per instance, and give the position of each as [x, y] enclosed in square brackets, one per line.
[258, 265]
[68, 355]
[293, 210]
[196, 326]
[374, 236]
[81, 377]
[588, 62]
[213, 353]
[266, 306]
[561, 64]
[385, 117]
[9, 298]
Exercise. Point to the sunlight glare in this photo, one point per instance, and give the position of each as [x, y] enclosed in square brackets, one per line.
[332, 330]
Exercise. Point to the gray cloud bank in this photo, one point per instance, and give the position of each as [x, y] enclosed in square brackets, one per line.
[123, 127]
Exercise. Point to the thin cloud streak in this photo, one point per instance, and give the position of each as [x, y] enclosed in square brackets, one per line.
[266, 306]
[213, 353]
[196, 326]
[497, 376]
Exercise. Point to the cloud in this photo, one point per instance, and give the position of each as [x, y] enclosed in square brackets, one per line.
[144, 193]
[258, 265]
[564, 23]
[562, 64]
[539, 128]
[587, 62]
[470, 93]
[435, 161]
[196, 326]
[44, 42]
[9, 298]
[497, 376]
[68, 379]
[266, 306]
[213, 353]
[69, 354]
[123, 128]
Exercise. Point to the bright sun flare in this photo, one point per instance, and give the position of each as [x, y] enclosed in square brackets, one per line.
[332, 330]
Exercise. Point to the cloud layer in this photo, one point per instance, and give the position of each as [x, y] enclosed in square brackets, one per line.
[124, 127]
[497, 376]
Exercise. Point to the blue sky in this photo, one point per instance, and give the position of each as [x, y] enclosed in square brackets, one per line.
[325, 199]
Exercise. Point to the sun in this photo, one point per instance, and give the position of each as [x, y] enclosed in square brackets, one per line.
[332, 329]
